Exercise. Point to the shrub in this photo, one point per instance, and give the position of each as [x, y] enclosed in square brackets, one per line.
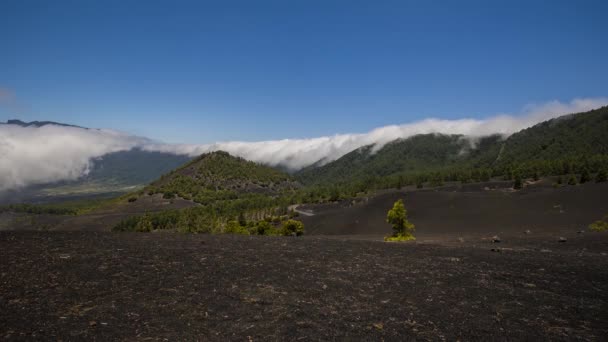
[265, 228]
[292, 227]
[233, 227]
[144, 224]
[572, 180]
[132, 199]
[399, 238]
[600, 225]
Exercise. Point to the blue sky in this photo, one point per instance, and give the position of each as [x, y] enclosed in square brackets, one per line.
[200, 72]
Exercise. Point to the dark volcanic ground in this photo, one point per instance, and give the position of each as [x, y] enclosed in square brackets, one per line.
[472, 208]
[96, 285]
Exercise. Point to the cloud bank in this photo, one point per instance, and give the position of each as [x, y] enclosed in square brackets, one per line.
[31, 155]
[298, 153]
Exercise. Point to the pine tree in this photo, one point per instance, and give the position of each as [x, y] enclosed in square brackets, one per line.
[397, 217]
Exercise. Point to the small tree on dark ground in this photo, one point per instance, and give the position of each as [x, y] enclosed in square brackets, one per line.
[402, 228]
[572, 180]
[600, 225]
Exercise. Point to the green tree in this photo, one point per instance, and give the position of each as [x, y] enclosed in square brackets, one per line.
[601, 176]
[518, 183]
[292, 227]
[585, 177]
[572, 180]
[397, 217]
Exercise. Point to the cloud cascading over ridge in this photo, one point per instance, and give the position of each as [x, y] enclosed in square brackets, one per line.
[33, 155]
[298, 153]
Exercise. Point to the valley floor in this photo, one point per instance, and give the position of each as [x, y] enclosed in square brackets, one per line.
[101, 285]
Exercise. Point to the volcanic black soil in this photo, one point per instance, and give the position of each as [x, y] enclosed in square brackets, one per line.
[339, 282]
[135, 286]
[484, 208]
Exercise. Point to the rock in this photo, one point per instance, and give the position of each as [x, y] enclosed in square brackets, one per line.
[495, 250]
[527, 231]
[378, 326]
[92, 324]
[495, 239]
[562, 239]
[580, 232]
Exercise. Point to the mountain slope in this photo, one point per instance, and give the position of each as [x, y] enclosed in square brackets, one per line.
[417, 154]
[574, 136]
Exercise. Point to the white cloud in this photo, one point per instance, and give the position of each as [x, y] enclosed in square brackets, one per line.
[298, 153]
[31, 155]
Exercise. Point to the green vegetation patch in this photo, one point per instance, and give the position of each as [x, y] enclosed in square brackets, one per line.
[600, 225]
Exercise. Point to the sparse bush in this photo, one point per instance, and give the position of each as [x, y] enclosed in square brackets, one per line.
[144, 224]
[572, 180]
[600, 225]
[292, 227]
[263, 228]
[233, 227]
[399, 238]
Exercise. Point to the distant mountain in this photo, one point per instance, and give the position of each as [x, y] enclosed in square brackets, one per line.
[219, 175]
[571, 136]
[134, 167]
[36, 123]
[112, 173]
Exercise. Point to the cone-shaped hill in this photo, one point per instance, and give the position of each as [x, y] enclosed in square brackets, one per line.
[218, 175]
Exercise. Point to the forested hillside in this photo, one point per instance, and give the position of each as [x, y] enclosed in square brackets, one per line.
[233, 196]
[218, 175]
[576, 143]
